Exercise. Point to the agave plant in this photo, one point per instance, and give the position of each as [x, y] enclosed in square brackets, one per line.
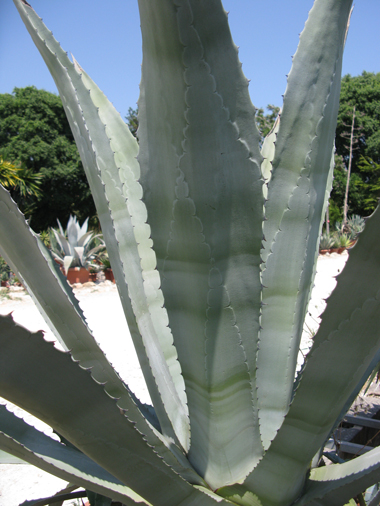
[75, 246]
[326, 241]
[345, 241]
[355, 226]
[213, 245]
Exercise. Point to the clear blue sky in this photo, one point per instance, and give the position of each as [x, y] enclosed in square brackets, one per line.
[104, 36]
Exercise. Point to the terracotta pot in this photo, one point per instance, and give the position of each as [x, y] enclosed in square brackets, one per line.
[92, 276]
[323, 251]
[78, 275]
[341, 249]
[109, 275]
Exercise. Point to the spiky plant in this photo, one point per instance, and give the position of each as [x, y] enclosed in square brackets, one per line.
[326, 241]
[355, 226]
[213, 245]
[75, 246]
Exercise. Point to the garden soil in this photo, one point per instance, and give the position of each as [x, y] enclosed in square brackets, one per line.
[101, 306]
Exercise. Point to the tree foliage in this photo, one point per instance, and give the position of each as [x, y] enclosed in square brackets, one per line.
[21, 181]
[355, 196]
[34, 132]
[132, 120]
[265, 122]
[8, 173]
[370, 172]
[363, 92]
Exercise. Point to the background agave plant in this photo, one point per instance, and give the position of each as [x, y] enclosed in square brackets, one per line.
[213, 244]
[75, 246]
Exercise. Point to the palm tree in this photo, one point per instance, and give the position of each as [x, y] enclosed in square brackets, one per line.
[14, 175]
[9, 173]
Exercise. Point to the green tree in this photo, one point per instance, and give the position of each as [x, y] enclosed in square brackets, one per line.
[370, 172]
[132, 120]
[35, 132]
[356, 203]
[265, 122]
[363, 93]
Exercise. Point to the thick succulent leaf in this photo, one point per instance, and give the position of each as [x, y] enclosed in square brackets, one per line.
[200, 170]
[84, 239]
[34, 447]
[83, 229]
[344, 347]
[347, 343]
[62, 242]
[240, 496]
[267, 152]
[56, 257]
[94, 250]
[72, 231]
[50, 385]
[336, 484]
[95, 143]
[59, 223]
[67, 262]
[80, 254]
[316, 254]
[296, 202]
[31, 261]
[155, 332]
[358, 388]
[7, 458]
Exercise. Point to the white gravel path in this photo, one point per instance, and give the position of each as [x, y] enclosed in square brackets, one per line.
[101, 305]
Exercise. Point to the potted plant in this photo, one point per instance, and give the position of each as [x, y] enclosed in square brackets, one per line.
[335, 236]
[4, 272]
[76, 249]
[4, 279]
[326, 243]
[106, 267]
[355, 226]
[344, 242]
[92, 274]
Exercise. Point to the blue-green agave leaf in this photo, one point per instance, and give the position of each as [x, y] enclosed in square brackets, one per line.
[336, 484]
[31, 260]
[129, 259]
[239, 496]
[366, 376]
[296, 201]
[59, 392]
[144, 282]
[34, 447]
[344, 347]
[200, 171]
[7, 458]
[267, 152]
